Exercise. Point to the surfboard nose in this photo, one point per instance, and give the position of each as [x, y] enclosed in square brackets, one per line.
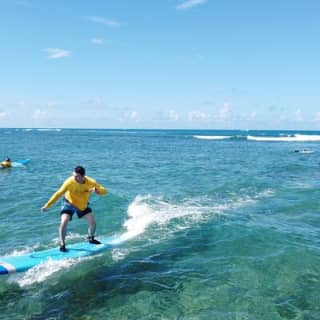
[3, 270]
[6, 267]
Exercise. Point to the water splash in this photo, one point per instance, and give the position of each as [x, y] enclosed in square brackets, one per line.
[146, 210]
[41, 272]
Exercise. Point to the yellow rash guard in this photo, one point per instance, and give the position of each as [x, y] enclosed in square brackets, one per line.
[6, 164]
[76, 193]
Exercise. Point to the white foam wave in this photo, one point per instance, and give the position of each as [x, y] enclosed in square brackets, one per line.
[146, 210]
[294, 138]
[45, 270]
[26, 250]
[42, 129]
[41, 272]
[119, 254]
[49, 129]
[212, 137]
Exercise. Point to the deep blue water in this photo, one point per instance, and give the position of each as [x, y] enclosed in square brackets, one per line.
[220, 224]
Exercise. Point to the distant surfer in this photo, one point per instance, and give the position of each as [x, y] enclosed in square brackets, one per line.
[76, 190]
[6, 163]
[303, 151]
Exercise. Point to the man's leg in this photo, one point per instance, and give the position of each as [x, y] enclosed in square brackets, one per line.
[65, 218]
[92, 227]
[91, 223]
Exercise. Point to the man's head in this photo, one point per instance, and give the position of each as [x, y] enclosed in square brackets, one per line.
[79, 173]
[80, 170]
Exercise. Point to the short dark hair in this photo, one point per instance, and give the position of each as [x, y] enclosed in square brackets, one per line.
[79, 169]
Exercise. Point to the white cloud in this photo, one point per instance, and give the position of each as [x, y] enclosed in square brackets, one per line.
[224, 113]
[56, 53]
[98, 41]
[252, 116]
[198, 115]
[189, 4]
[299, 116]
[283, 117]
[52, 104]
[200, 57]
[3, 115]
[38, 114]
[173, 115]
[104, 21]
[133, 115]
[317, 117]
[96, 102]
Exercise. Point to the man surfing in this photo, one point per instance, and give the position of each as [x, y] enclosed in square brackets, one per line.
[76, 190]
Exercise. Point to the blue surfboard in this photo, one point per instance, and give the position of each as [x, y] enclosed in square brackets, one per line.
[11, 264]
[19, 163]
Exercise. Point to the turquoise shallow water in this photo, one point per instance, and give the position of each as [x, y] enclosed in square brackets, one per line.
[219, 225]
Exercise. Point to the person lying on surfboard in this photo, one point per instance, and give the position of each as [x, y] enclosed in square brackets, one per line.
[76, 190]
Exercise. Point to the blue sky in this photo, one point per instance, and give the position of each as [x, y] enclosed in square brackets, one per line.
[231, 64]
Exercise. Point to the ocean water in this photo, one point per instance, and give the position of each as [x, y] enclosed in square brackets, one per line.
[217, 225]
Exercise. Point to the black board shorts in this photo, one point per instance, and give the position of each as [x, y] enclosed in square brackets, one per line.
[68, 208]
